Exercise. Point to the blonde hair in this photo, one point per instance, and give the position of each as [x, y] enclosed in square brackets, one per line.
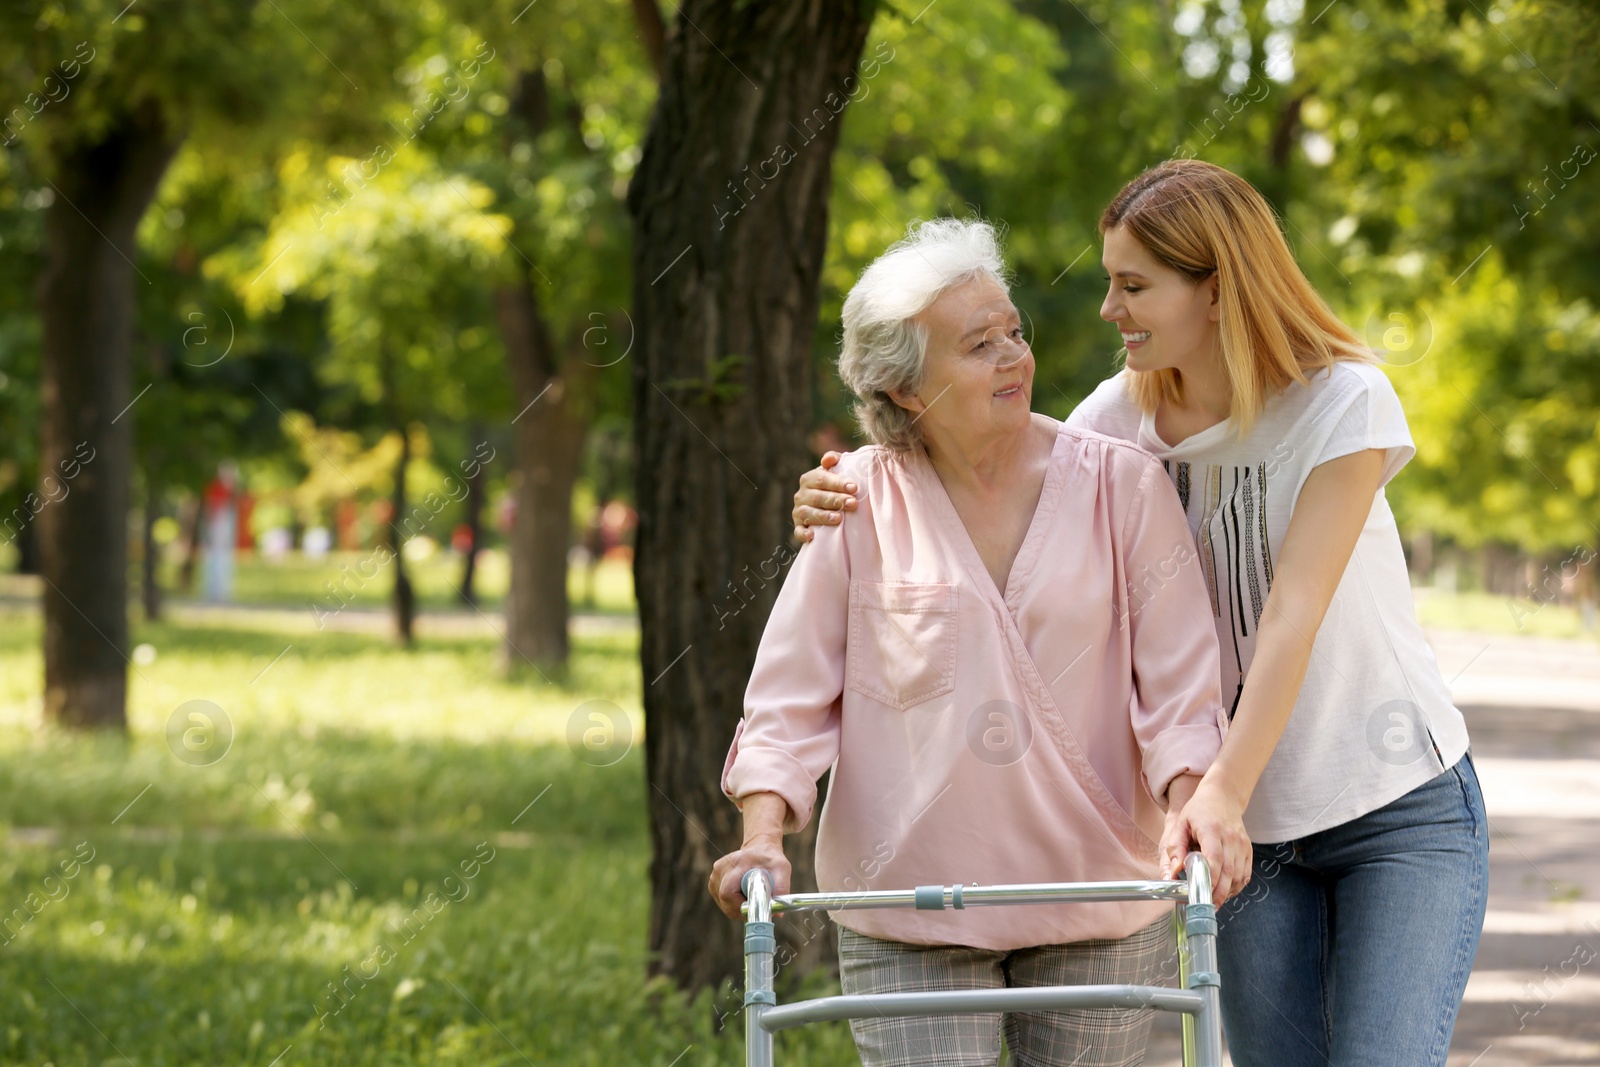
[885, 350]
[1197, 218]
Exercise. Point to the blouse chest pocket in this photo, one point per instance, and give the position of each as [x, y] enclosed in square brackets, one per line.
[902, 643]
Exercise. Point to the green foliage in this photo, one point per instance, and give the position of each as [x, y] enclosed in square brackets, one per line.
[958, 112]
[1430, 162]
[401, 263]
[555, 133]
[565, 112]
[1456, 210]
[231, 75]
[408, 158]
[1503, 407]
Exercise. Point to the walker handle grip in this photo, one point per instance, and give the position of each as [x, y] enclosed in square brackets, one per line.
[744, 883]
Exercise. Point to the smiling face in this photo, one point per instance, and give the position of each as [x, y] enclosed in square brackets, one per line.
[1166, 320]
[978, 377]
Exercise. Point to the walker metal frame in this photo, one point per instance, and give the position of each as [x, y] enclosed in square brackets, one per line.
[1197, 1001]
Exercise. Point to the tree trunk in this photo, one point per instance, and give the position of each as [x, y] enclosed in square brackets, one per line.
[1422, 558]
[86, 308]
[28, 550]
[474, 502]
[403, 600]
[192, 532]
[730, 208]
[149, 569]
[652, 34]
[553, 401]
[1276, 182]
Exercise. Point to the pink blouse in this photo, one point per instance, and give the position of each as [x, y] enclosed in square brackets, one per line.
[979, 735]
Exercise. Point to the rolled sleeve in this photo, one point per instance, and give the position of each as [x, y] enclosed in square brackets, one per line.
[789, 734]
[1177, 712]
[1180, 750]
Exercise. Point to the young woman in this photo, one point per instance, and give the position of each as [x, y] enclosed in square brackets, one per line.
[1345, 761]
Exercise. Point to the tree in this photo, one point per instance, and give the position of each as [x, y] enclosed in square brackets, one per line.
[730, 208]
[402, 264]
[86, 309]
[106, 106]
[570, 90]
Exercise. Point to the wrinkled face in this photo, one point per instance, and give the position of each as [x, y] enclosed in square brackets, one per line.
[978, 379]
[1166, 320]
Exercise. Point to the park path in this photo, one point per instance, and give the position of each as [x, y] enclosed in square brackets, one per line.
[1533, 707]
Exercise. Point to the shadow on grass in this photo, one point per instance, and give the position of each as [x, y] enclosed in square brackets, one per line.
[327, 785]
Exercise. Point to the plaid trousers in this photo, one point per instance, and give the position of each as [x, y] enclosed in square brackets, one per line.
[1098, 1037]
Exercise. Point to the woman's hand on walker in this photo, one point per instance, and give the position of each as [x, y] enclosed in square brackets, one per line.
[728, 873]
[822, 496]
[764, 815]
[1203, 818]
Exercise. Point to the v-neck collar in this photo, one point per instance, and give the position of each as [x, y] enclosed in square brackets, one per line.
[1042, 706]
[1151, 441]
[1032, 541]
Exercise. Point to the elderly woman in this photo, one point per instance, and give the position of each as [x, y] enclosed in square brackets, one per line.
[1005, 657]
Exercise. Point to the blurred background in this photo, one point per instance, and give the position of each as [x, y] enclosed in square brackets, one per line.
[358, 362]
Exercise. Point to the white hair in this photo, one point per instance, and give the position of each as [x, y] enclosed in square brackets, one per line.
[884, 350]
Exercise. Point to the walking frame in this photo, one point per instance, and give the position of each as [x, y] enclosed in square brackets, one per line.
[1197, 1001]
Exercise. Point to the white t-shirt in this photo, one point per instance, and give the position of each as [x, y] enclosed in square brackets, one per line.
[1374, 718]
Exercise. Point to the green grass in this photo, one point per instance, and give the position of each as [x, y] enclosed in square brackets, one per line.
[221, 900]
[1491, 614]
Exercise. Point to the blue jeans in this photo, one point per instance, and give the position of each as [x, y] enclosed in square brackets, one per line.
[1351, 947]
